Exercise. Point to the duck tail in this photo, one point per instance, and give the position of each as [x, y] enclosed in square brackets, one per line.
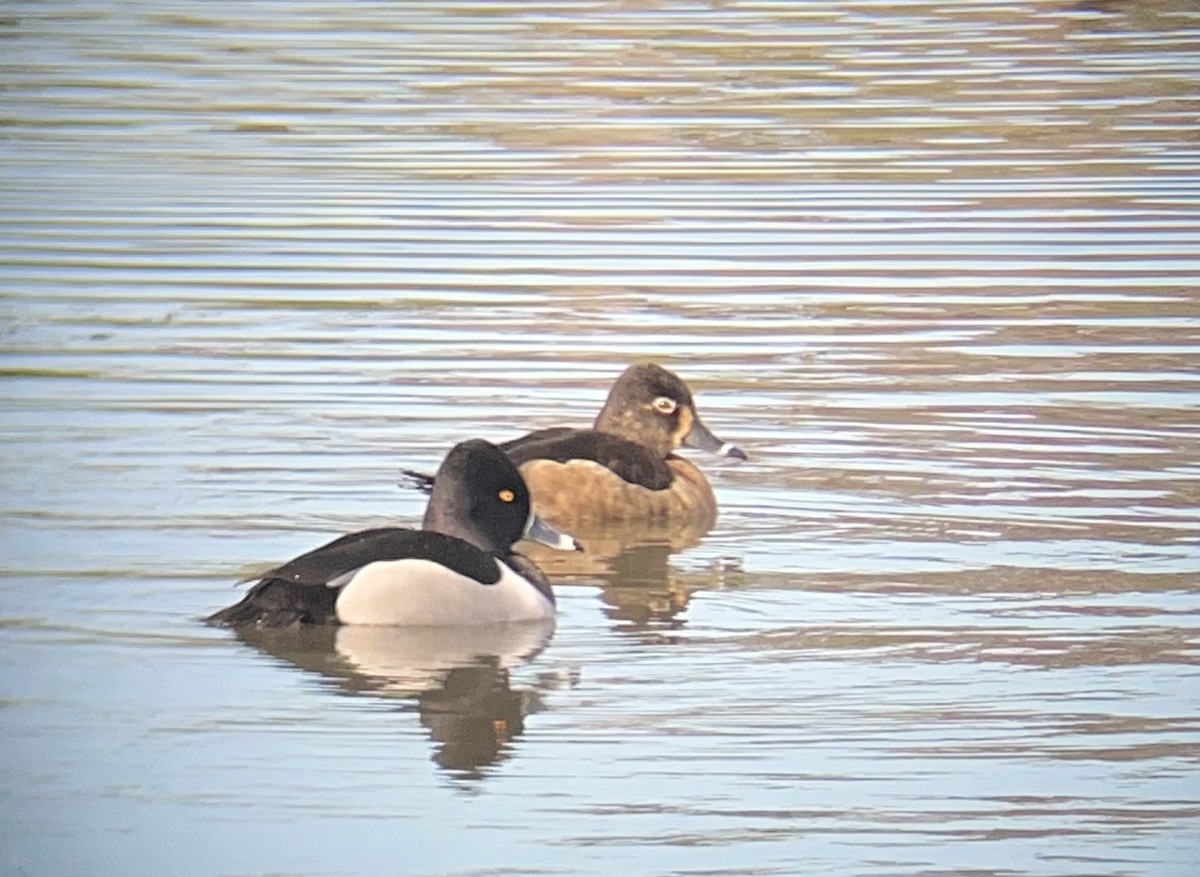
[419, 480]
[278, 603]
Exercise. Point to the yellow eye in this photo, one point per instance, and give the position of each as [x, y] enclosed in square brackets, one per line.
[507, 495]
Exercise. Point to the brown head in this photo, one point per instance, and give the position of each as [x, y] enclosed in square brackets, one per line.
[653, 407]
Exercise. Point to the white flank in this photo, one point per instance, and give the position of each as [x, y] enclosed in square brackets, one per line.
[421, 592]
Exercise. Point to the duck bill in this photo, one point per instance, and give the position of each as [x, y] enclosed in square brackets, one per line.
[538, 530]
[701, 439]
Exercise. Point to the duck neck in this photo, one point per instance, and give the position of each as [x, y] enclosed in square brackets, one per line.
[445, 520]
[626, 424]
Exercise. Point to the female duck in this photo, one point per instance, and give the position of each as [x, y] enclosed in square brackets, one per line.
[459, 568]
[623, 469]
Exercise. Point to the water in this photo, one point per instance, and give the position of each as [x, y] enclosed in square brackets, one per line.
[932, 265]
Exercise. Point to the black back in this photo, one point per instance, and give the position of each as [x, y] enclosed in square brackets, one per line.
[349, 553]
[630, 461]
[299, 592]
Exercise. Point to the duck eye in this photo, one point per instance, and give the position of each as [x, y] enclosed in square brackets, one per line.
[665, 405]
[506, 495]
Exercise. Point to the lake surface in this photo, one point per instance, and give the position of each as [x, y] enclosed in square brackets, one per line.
[934, 266]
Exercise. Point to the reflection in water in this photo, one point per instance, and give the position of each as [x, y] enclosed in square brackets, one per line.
[640, 589]
[642, 592]
[604, 543]
[646, 593]
[629, 562]
[458, 678]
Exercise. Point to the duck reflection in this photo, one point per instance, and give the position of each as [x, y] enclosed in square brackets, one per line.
[639, 589]
[458, 677]
[642, 592]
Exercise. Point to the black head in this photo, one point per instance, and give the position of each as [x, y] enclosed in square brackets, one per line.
[654, 407]
[478, 495]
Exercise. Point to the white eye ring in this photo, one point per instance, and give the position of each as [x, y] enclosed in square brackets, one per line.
[665, 405]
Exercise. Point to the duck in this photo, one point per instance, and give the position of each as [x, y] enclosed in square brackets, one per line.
[458, 569]
[623, 470]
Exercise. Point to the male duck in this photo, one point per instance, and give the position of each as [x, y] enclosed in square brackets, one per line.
[623, 469]
[459, 568]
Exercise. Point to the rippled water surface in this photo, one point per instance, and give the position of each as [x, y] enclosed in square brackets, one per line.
[934, 266]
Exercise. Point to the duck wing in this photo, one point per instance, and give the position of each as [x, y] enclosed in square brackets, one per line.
[630, 461]
[305, 590]
[538, 435]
